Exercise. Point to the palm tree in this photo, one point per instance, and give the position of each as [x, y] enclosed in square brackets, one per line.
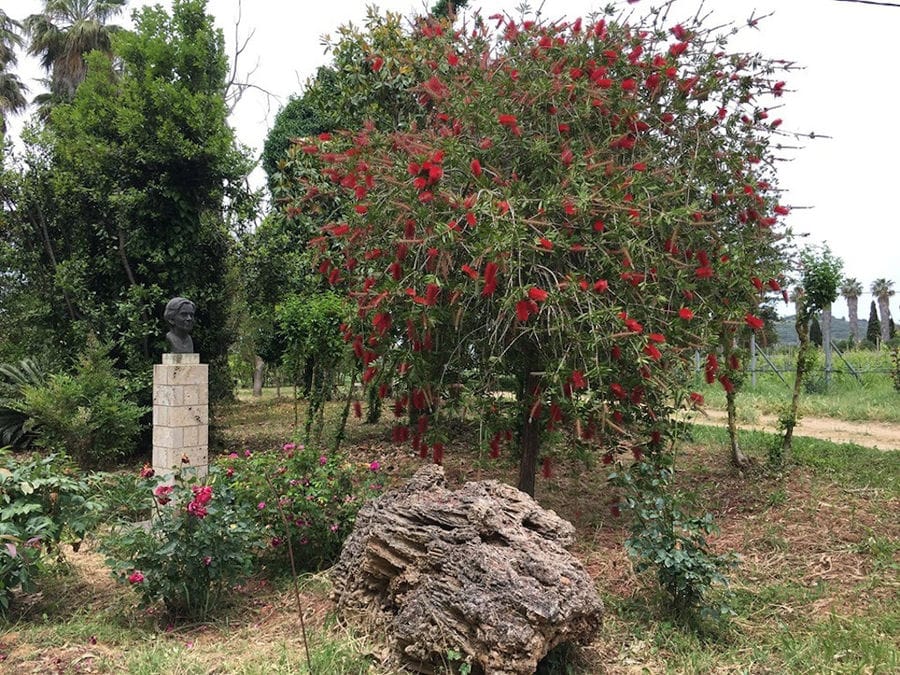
[64, 33]
[12, 91]
[883, 289]
[851, 289]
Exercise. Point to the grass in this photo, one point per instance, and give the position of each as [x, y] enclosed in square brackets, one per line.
[872, 399]
[816, 590]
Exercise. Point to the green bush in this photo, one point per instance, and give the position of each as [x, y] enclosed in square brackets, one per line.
[44, 502]
[320, 496]
[199, 543]
[14, 378]
[86, 414]
[673, 543]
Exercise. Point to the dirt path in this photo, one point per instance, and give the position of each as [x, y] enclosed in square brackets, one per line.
[880, 435]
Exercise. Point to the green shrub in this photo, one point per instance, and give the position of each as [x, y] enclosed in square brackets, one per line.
[85, 414]
[200, 542]
[14, 378]
[673, 543]
[44, 502]
[320, 496]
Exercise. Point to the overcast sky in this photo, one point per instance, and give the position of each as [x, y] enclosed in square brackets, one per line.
[847, 90]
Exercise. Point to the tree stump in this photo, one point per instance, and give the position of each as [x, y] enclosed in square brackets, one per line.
[482, 570]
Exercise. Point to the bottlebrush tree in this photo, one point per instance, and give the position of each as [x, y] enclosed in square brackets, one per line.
[579, 205]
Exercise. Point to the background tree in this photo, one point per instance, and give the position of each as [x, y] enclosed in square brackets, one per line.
[62, 36]
[873, 330]
[883, 289]
[820, 278]
[815, 331]
[12, 91]
[125, 200]
[851, 289]
[542, 221]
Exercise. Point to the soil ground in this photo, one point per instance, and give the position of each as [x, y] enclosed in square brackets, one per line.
[880, 435]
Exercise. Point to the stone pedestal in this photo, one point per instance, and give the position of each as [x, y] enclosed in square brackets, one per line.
[181, 415]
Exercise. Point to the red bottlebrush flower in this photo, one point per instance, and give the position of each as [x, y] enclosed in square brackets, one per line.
[615, 353]
[310, 149]
[601, 286]
[476, 167]
[782, 210]
[490, 279]
[679, 32]
[686, 313]
[395, 270]
[734, 362]
[657, 337]
[545, 243]
[486, 143]
[753, 321]
[629, 84]
[678, 48]
[639, 166]
[382, 322]
[453, 59]
[471, 220]
[537, 294]
[432, 291]
[774, 285]
[607, 458]
[369, 373]
[704, 272]
[757, 283]
[546, 468]
[357, 409]
[569, 208]
[696, 399]
[563, 128]
[470, 271]
[426, 197]
[637, 453]
[523, 310]
[712, 367]
[377, 64]
[438, 453]
[618, 390]
[599, 226]
[503, 207]
[567, 156]
[507, 120]
[578, 381]
[651, 351]
[778, 88]
[727, 384]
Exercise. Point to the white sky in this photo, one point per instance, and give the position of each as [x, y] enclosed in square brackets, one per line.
[847, 90]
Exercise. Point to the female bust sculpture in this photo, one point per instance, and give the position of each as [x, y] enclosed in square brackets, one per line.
[179, 315]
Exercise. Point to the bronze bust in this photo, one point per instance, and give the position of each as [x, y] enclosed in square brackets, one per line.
[179, 315]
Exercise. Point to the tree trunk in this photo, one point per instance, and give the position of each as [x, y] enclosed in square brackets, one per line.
[258, 372]
[738, 458]
[790, 420]
[884, 310]
[853, 311]
[531, 436]
[826, 342]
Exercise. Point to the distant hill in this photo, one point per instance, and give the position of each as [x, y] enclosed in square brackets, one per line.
[840, 330]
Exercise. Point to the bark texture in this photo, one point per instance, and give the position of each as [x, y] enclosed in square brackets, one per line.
[482, 570]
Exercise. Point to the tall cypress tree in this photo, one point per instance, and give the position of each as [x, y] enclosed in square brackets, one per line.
[873, 330]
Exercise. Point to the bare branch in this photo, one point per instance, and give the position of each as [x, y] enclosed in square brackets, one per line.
[872, 2]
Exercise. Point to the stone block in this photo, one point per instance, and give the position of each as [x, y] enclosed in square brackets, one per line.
[168, 437]
[168, 395]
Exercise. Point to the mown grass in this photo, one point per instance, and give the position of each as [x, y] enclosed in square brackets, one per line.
[815, 592]
[871, 398]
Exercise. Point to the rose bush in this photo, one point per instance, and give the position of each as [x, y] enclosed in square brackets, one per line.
[199, 543]
[319, 495]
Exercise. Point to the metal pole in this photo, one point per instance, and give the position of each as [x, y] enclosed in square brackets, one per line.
[753, 360]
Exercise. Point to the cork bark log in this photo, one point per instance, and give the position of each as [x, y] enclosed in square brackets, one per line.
[482, 570]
